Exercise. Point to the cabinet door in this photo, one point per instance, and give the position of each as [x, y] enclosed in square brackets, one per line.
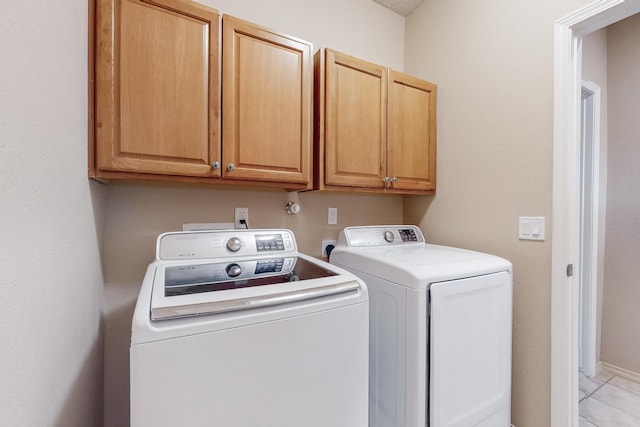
[157, 102]
[355, 122]
[266, 91]
[412, 133]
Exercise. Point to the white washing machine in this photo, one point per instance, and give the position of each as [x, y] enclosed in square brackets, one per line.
[235, 328]
[440, 329]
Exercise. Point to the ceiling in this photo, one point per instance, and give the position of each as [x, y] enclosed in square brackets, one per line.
[403, 7]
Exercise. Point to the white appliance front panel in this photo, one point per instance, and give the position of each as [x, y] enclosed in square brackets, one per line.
[308, 370]
[458, 355]
[471, 351]
[398, 343]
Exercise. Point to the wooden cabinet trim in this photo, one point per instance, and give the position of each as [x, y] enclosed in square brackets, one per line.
[193, 9]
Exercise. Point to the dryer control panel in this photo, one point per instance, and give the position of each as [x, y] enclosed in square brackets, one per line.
[385, 235]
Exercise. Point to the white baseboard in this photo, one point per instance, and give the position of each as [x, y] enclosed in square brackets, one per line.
[621, 372]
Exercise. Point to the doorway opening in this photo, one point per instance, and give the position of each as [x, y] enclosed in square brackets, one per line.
[589, 228]
[567, 200]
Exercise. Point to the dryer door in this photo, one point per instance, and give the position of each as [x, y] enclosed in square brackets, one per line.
[471, 351]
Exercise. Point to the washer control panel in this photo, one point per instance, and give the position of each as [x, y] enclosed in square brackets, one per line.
[385, 235]
[270, 242]
[182, 245]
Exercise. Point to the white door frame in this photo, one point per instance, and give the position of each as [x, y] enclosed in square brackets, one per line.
[590, 223]
[568, 34]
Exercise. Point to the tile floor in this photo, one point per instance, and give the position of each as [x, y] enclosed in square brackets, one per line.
[608, 400]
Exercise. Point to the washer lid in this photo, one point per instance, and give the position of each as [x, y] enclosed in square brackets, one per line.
[202, 287]
[416, 266]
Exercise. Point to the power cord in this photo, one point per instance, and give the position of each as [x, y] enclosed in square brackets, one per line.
[329, 249]
[244, 222]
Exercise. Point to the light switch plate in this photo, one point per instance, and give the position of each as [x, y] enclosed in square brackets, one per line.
[531, 227]
[332, 217]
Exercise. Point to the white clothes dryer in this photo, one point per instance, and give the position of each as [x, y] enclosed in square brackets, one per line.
[440, 328]
[235, 328]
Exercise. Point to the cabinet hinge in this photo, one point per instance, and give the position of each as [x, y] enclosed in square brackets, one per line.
[569, 270]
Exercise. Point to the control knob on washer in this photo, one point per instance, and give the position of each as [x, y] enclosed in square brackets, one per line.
[388, 236]
[234, 270]
[234, 244]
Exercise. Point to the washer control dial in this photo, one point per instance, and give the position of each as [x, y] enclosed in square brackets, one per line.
[234, 244]
[234, 270]
[388, 236]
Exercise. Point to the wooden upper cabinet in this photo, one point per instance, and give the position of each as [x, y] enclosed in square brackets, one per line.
[374, 127]
[267, 105]
[157, 92]
[355, 108]
[157, 88]
[412, 133]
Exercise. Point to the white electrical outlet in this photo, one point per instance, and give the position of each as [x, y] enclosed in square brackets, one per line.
[242, 214]
[326, 243]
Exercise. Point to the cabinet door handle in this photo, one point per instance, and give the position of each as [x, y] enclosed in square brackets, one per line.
[394, 179]
[387, 180]
[230, 167]
[215, 165]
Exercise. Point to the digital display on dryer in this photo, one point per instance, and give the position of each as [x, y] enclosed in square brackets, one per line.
[408, 235]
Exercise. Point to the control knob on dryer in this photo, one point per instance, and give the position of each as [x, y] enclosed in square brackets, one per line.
[388, 236]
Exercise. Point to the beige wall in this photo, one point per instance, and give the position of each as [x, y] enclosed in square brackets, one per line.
[621, 317]
[493, 63]
[493, 66]
[136, 214]
[594, 69]
[50, 221]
